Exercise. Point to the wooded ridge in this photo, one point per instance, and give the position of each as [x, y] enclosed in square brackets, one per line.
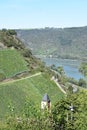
[56, 42]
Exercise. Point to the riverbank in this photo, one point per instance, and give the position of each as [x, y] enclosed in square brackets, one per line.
[61, 57]
[71, 67]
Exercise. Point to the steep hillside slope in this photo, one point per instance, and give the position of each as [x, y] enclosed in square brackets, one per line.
[14, 95]
[57, 42]
[9, 40]
[12, 63]
[15, 58]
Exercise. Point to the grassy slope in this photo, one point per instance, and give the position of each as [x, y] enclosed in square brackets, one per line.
[33, 89]
[11, 62]
[15, 94]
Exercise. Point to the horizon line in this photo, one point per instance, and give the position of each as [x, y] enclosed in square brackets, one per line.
[47, 27]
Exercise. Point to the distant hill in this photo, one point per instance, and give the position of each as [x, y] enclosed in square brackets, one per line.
[56, 42]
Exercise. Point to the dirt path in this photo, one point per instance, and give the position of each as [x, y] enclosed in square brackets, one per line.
[12, 81]
[55, 80]
[59, 86]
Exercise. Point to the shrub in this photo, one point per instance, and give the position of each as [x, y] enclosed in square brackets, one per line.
[82, 83]
[27, 52]
[11, 32]
[2, 76]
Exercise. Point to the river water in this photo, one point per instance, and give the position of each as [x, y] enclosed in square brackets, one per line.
[70, 66]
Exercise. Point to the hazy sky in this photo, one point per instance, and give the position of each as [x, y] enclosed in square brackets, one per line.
[42, 13]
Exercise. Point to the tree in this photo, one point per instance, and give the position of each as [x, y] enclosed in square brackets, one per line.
[82, 83]
[71, 113]
[32, 118]
[60, 70]
[11, 32]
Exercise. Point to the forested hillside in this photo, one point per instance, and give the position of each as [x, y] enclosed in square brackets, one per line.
[56, 42]
[21, 93]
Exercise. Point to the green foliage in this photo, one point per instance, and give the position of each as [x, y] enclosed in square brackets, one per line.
[53, 67]
[73, 81]
[26, 52]
[20, 100]
[2, 76]
[67, 114]
[8, 39]
[40, 120]
[63, 80]
[11, 32]
[60, 70]
[70, 113]
[82, 83]
[11, 62]
[22, 113]
[83, 68]
[59, 115]
[70, 88]
[45, 85]
[30, 116]
[33, 89]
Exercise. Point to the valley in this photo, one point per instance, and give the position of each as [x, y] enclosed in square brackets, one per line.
[25, 79]
[65, 43]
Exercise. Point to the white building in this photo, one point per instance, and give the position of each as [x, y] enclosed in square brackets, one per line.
[46, 103]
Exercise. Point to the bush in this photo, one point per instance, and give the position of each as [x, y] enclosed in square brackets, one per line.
[82, 83]
[2, 76]
[32, 118]
[27, 52]
[11, 32]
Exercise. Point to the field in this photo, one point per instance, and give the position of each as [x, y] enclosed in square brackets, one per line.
[14, 95]
[11, 62]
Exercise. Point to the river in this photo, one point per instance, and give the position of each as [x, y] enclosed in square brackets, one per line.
[70, 66]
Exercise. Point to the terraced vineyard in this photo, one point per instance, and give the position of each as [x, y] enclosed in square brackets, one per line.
[11, 62]
[32, 89]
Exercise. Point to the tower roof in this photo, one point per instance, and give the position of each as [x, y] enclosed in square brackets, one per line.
[46, 98]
